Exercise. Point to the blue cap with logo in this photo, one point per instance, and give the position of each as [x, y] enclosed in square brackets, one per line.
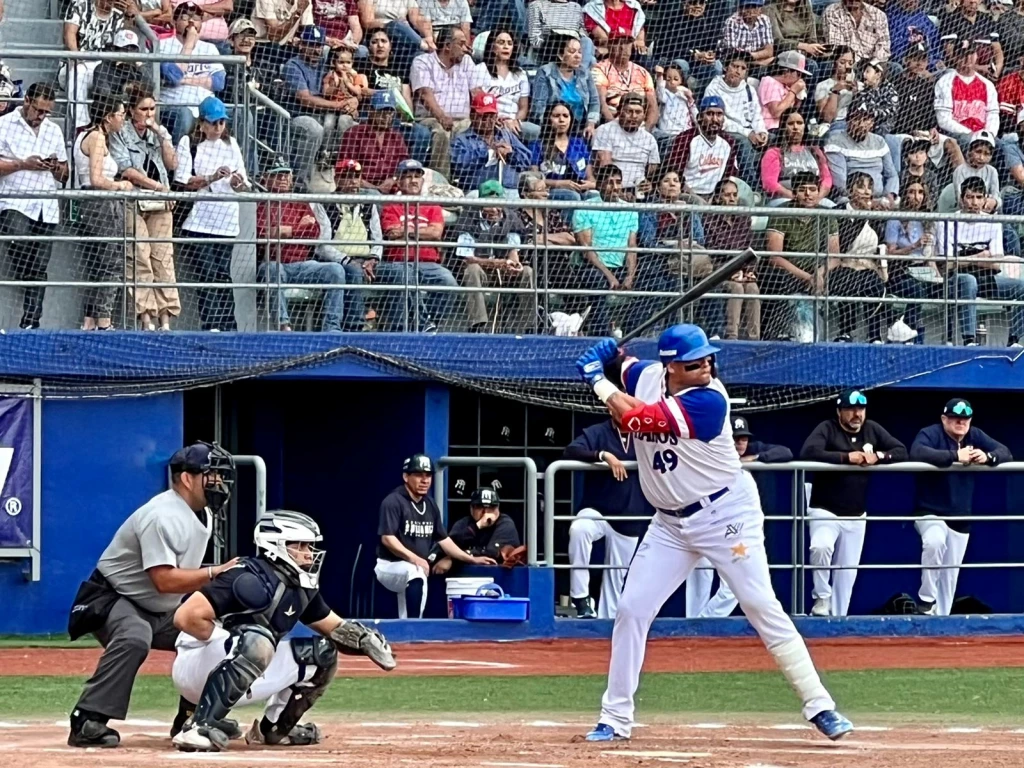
[851, 398]
[383, 100]
[212, 109]
[712, 102]
[409, 166]
[313, 35]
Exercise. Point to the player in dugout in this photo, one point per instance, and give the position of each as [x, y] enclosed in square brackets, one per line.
[606, 496]
[486, 531]
[410, 523]
[839, 499]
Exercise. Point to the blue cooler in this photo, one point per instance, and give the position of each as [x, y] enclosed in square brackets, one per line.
[491, 604]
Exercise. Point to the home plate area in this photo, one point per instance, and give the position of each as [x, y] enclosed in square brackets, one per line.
[536, 744]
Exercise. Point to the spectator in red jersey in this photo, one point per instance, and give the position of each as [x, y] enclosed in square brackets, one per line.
[282, 263]
[376, 145]
[600, 17]
[406, 262]
[1010, 91]
[965, 101]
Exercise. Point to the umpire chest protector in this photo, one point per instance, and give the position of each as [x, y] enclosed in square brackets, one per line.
[266, 595]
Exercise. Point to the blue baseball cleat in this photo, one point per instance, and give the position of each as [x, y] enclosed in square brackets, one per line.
[832, 724]
[604, 732]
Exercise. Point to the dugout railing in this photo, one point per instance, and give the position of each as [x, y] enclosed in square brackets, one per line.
[798, 519]
[556, 285]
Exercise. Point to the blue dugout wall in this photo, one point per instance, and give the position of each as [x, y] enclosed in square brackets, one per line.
[333, 436]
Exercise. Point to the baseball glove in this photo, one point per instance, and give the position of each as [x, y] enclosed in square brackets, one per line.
[512, 556]
[355, 639]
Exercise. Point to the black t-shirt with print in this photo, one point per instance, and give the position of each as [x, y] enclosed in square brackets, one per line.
[416, 524]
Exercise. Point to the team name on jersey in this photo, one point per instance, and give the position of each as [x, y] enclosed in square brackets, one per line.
[419, 530]
[664, 439]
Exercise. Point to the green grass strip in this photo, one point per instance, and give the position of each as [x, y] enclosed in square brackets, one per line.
[986, 694]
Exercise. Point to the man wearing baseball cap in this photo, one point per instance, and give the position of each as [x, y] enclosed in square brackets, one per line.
[704, 155]
[376, 145]
[838, 499]
[626, 143]
[487, 151]
[187, 85]
[113, 77]
[480, 233]
[954, 440]
[128, 602]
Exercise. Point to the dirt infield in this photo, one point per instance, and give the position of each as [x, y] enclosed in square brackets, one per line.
[591, 657]
[538, 744]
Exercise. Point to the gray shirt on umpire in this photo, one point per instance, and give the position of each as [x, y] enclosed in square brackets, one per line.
[164, 531]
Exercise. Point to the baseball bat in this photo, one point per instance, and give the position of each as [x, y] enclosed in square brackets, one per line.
[709, 283]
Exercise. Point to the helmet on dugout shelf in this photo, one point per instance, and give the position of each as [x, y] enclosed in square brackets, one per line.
[684, 342]
[278, 528]
[418, 463]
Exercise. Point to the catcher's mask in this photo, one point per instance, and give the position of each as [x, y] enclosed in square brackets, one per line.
[277, 530]
[217, 467]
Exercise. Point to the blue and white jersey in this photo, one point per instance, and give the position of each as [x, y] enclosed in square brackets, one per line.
[691, 454]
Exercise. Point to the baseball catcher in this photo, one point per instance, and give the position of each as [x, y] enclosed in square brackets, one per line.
[230, 650]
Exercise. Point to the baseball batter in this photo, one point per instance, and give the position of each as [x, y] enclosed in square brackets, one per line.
[707, 506]
[232, 648]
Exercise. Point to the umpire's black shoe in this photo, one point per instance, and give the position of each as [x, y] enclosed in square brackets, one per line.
[92, 733]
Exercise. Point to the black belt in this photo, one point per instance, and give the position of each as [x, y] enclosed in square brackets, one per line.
[697, 506]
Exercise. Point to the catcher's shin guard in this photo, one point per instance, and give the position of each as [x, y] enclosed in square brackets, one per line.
[251, 653]
[316, 652]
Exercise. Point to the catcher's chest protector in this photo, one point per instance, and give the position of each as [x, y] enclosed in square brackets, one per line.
[272, 599]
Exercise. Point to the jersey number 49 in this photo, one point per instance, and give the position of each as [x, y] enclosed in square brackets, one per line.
[665, 461]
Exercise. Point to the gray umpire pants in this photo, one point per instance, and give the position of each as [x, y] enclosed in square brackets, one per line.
[127, 637]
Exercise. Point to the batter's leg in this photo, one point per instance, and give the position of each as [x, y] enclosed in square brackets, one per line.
[587, 528]
[619, 551]
[956, 547]
[825, 530]
[743, 562]
[698, 588]
[848, 551]
[660, 565]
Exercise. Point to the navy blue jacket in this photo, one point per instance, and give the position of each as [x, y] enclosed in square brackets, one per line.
[768, 453]
[950, 493]
[603, 492]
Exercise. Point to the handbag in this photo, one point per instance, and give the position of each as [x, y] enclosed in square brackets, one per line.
[93, 602]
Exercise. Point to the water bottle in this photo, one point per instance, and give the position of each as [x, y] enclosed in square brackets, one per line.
[803, 326]
[982, 335]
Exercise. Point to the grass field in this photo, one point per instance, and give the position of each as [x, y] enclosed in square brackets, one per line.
[994, 696]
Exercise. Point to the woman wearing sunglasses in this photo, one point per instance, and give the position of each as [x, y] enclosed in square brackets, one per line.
[210, 163]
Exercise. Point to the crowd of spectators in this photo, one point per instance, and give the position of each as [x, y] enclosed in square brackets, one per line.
[893, 105]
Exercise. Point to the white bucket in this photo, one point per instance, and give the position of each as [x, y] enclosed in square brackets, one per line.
[459, 586]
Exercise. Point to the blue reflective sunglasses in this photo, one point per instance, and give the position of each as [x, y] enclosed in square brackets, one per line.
[963, 409]
[856, 398]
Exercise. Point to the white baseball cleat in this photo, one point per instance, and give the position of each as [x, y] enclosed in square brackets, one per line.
[821, 607]
[200, 739]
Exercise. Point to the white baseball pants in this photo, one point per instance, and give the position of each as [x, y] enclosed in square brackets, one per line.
[729, 532]
[940, 545]
[196, 659]
[588, 527]
[699, 602]
[835, 541]
[395, 576]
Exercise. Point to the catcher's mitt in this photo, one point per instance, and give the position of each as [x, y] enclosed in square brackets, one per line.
[355, 639]
[512, 556]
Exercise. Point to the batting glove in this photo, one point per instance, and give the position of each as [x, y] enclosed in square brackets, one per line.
[591, 363]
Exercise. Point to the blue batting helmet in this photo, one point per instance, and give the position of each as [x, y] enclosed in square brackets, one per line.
[684, 342]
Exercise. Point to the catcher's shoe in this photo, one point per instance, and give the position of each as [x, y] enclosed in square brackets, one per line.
[228, 727]
[201, 738]
[603, 732]
[301, 735]
[93, 733]
[832, 724]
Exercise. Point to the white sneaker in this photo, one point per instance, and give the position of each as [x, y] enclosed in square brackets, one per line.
[200, 740]
[821, 607]
[900, 332]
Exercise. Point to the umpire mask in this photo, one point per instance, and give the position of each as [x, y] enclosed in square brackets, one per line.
[218, 478]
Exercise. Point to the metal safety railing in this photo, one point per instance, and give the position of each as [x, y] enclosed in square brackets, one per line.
[529, 467]
[799, 517]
